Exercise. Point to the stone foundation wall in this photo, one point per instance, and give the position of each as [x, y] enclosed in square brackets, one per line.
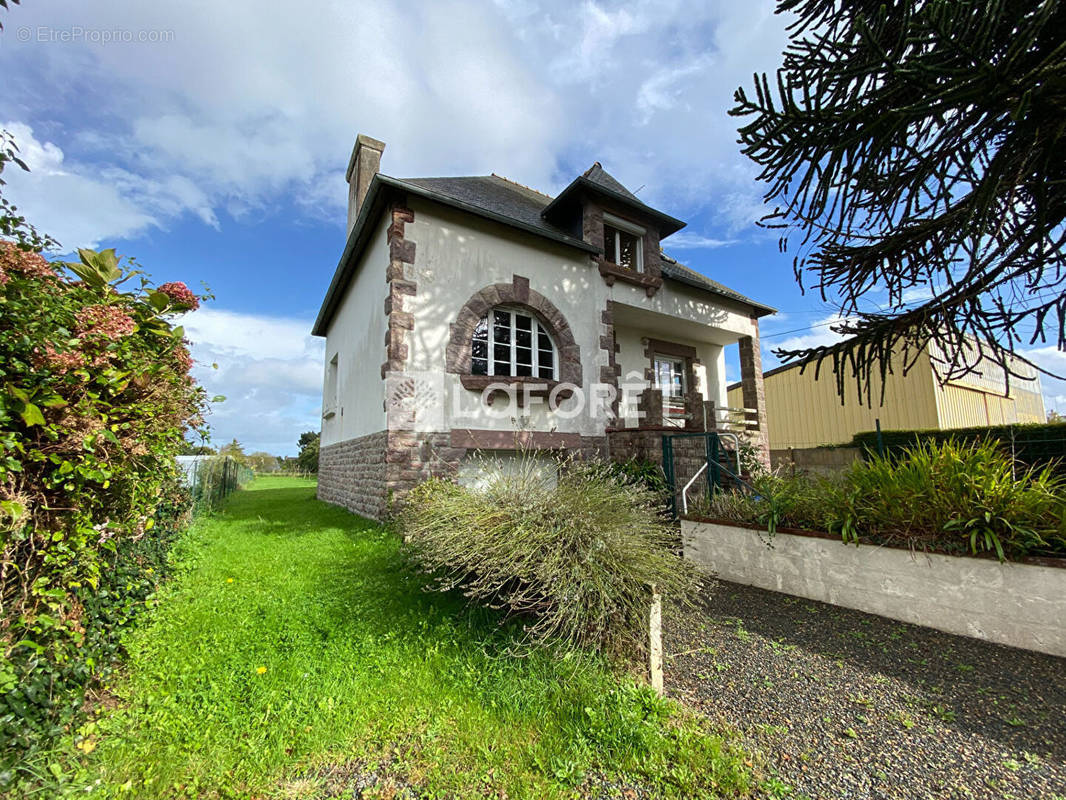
[352, 474]
[646, 444]
[373, 473]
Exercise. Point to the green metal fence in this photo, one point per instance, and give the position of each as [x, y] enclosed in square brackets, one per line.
[211, 479]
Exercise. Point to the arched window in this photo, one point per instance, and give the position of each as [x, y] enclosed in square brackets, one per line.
[512, 342]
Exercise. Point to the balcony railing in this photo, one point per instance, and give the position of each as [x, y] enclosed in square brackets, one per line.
[691, 412]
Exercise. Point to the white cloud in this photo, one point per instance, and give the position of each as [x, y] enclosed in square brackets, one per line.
[74, 208]
[696, 241]
[1053, 360]
[235, 110]
[269, 370]
[820, 334]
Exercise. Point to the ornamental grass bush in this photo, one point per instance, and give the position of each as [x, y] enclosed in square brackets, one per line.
[572, 551]
[951, 496]
[95, 399]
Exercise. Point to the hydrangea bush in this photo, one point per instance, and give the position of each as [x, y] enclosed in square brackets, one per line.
[95, 399]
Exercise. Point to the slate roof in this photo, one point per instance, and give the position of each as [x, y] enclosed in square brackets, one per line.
[510, 199]
[509, 203]
[496, 194]
[601, 177]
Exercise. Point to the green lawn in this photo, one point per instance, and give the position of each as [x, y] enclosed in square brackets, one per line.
[295, 652]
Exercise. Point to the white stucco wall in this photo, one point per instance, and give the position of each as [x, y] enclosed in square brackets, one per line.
[1021, 605]
[684, 306]
[457, 256]
[710, 374]
[357, 336]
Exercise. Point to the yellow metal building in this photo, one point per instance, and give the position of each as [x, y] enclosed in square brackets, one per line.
[804, 412]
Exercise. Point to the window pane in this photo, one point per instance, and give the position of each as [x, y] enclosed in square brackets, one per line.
[479, 349]
[482, 329]
[525, 370]
[502, 355]
[523, 338]
[628, 256]
[546, 372]
[502, 333]
[543, 340]
[608, 244]
[502, 318]
[522, 322]
[546, 358]
[479, 366]
[524, 355]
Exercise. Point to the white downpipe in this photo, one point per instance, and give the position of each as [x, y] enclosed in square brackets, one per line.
[684, 492]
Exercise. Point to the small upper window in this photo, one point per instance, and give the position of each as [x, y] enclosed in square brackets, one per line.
[509, 342]
[623, 243]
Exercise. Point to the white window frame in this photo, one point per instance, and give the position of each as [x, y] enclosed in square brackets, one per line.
[535, 328]
[620, 224]
[673, 404]
[332, 388]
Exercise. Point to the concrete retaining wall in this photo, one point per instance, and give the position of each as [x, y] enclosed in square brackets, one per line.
[819, 460]
[1022, 605]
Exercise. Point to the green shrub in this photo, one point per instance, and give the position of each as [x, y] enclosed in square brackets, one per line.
[574, 555]
[949, 496]
[1031, 444]
[777, 501]
[642, 472]
[95, 397]
[956, 496]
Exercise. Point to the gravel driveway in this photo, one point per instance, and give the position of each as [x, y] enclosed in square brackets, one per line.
[843, 704]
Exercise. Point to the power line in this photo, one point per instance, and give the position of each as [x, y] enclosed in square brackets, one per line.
[837, 321]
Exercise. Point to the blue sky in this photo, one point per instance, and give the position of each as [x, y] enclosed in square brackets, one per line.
[210, 140]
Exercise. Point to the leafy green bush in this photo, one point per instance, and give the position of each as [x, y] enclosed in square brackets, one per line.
[95, 396]
[642, 472]
[573, 554]
[1032, 444]
[949, 496]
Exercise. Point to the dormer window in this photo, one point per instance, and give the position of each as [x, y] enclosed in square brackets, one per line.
[623, 243]
[508, 342]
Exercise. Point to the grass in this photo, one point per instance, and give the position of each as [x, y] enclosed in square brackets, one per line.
[296, 651]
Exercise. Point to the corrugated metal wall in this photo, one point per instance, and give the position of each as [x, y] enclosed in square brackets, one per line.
[803, 412]
[964, 406]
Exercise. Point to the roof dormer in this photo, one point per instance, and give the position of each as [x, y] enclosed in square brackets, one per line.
[601, 211]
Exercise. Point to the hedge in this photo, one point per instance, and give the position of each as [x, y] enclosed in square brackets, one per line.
[1032, 444]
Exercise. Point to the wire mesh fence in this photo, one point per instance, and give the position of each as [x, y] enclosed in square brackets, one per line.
[211, 479]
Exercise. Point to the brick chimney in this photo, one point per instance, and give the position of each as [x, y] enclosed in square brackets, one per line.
[362, 167]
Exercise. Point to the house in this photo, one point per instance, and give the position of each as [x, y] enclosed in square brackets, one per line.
[803, 411]
[475, 314]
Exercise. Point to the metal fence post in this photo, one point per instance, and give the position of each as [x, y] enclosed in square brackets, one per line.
[668, 471]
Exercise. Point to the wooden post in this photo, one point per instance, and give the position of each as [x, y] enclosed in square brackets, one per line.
[655, 641]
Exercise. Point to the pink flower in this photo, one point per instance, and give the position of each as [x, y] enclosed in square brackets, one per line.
[183, 359]
[180, 295]
[14, 259]
[61, 362]
[110, 322]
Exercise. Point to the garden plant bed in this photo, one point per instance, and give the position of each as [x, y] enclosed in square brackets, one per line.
[852, 705]
[889, 542]
[1014, 603]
